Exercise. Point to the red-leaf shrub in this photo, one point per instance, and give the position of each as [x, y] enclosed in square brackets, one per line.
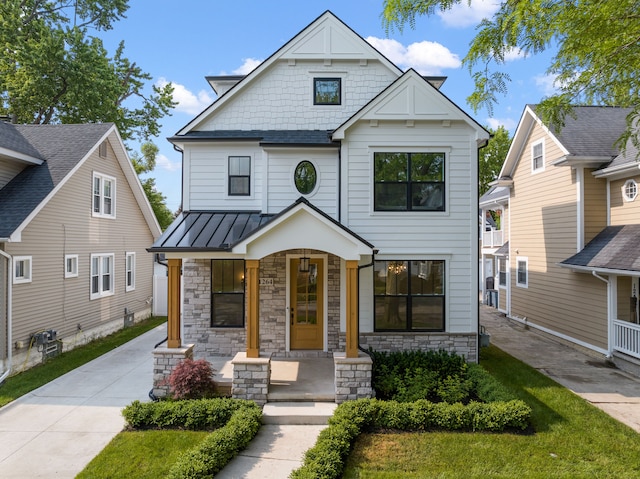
[192, 379]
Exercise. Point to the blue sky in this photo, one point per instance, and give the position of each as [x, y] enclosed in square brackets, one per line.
[182, 42]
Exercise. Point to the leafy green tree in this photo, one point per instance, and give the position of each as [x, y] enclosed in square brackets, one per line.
[492, 157]
[54, 69]
[596, 45]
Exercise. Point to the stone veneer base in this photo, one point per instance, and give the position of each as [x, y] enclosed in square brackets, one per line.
[164, 361]
[353, 377]
[251, 377]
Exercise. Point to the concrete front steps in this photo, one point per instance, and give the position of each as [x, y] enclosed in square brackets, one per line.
[298, 413]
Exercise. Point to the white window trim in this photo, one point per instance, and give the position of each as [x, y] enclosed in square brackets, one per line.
[628, 198]
[506, 271]
[101, 292]
[525, 260]
[27, 276]
[74, 273]
[103, 177]
[132, 286]
[541, 168]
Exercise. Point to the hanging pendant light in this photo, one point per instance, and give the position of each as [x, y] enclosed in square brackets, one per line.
[304, 263]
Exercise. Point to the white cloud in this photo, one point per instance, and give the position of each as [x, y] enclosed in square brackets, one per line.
[514, 54]
[546, 84]
[166, 164]
[248, 65]
[463, 15]
[428, 58]
[188, 102]
[509, 123]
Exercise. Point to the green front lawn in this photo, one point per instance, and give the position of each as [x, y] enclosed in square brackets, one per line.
[572, 439]
[25, 382]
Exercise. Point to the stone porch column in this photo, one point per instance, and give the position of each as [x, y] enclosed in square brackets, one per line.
[252, 267]
[173, 304]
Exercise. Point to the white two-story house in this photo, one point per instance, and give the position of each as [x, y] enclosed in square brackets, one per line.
[329, 206]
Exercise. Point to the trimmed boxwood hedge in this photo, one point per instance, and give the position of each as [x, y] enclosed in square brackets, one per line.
[327, 458]
[235, 423]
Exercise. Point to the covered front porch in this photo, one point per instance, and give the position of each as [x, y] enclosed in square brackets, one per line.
[298, 286]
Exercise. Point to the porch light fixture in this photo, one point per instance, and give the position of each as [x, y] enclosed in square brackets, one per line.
[304, 264]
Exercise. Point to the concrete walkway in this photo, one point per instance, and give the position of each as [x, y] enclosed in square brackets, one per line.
[56, 430]
[615, 392]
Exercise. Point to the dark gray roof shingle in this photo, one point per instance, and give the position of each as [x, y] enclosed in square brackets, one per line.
[62, 146]
[11, 139]
[615, 248]
[264, 137]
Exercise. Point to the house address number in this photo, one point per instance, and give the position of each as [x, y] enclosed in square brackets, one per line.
[265, 281]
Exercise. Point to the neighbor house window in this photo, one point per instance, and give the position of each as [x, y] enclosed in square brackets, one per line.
[21, 269]
[327, 91]
[522, 272]
[70, 265]
[239, 175]
[409, 181]
[130, 272]
[502, 271]
[104, 196]
[537, 157]
[409, 295]
[227, 293]
[630, 190]
[101, 275]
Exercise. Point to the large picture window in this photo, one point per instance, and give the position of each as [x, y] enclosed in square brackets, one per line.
[239, 175]
[409, 295]
[409, 181]
[227, 293]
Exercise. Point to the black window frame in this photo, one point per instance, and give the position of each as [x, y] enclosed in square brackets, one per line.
[239, 294]
[317, 80]
[405, 179]
[408, 297]
[230, 187]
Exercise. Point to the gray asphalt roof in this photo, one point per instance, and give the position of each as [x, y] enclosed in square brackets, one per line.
[593, 131]
[615, 247]
[495, 193]
[629, 155]
[11, 139]
[275, 137]
[62, 146]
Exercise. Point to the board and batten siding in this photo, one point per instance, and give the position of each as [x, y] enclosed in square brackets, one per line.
[282, 99]
[65, 226]
[206, 176]
[623, 212]
[451, 235]
[281, 191]
[543, 219]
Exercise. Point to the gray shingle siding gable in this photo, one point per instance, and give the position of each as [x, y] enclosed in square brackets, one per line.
[62, 147]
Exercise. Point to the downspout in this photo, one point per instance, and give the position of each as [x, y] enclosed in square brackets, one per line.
[9, 323]
[340, 184]
[609, 314]
[360, 267]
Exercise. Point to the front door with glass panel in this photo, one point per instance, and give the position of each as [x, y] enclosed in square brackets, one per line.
[306, 308]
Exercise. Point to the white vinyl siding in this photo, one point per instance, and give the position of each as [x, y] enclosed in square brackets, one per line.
[71, 266]
[102, 275]
[104, 196]
[22, 269]
[130, 272]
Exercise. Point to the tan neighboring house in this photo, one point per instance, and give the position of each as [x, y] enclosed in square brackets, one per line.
[74, 225]
[572, 230]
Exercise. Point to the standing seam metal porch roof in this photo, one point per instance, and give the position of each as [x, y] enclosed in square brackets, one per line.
[202, 231]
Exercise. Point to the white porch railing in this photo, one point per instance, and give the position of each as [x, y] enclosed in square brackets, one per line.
[626, 338]
[491, 239]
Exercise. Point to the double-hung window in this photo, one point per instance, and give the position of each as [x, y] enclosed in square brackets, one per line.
[21, 269]
[502, 271]
[537, 157]
[239, 175]
[130, 272]
[409, 181]
[227, 293]
[101, 275]
[104, 196]
[522, 272]
[409, 295]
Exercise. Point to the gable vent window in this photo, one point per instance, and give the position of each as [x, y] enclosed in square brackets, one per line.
[327, 91]
[630, 190]
[102, 149]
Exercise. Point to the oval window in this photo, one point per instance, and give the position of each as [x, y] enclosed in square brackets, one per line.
[305, 177]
